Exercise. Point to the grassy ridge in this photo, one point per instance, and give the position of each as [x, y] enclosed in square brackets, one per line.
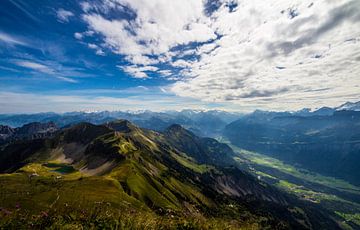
[139, 193]
[77, 202]
[131, 178]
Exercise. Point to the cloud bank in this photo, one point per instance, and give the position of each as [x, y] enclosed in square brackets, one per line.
[274, 54]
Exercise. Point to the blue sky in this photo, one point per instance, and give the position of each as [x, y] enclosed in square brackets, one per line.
[161, 55]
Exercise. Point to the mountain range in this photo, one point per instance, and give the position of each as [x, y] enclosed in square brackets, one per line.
[167, 168]
[173, 171]
[203, 123]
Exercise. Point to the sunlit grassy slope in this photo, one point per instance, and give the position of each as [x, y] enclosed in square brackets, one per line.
[90, 202]
[92, 177]
[74, 200]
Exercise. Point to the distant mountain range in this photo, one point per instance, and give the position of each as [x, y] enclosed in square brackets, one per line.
[353, 106]
[171, 171]
[203, 123]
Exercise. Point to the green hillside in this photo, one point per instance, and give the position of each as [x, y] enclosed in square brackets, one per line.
[119, 176]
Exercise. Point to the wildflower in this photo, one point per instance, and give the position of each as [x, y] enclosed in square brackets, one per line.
[17, 206]
[44, 214]
[6, 212]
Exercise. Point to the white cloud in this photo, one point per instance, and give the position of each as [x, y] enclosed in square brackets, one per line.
[49, 69]
[6, 38]
[181, 63]
[82, 35]
[85, 6]
[67, 79]
[275, 54]
[97, 49]
[92, 46]
[138, 71]
[165, 72]
[100, 52]
[35, 66]
[78, 35]
[64, 15]
[155, 31]
[244, 67]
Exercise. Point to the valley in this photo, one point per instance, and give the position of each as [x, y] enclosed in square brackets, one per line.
[335, 195]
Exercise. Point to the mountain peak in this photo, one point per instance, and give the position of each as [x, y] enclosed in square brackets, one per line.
[354, 106]
[84, 132]
[37, 127]
[176, 129]
[122, 125]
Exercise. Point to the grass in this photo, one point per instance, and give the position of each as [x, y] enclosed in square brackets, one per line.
[141, 192]
[94, 202]
[262, 174]
[103, 217]
[304, 174]
[156, 189]
[311, 195]
[53, 170]
[190, 164]
[355, 218]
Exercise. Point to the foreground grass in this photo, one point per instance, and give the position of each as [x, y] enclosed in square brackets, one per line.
[102, 216]
[76, 202]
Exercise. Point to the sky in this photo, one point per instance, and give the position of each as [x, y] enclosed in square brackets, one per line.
[181, 54]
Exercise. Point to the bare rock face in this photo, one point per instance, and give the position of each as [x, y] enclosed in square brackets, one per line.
[5, 132]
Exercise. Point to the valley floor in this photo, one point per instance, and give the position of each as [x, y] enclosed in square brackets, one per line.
[338, 196]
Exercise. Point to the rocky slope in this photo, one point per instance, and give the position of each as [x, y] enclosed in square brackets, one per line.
[34, 130]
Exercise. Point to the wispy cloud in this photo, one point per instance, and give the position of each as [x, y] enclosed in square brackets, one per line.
[35, 66]
[9, 39]
[46, 68]
[97, 49]
[138, 71]
[64, 15]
